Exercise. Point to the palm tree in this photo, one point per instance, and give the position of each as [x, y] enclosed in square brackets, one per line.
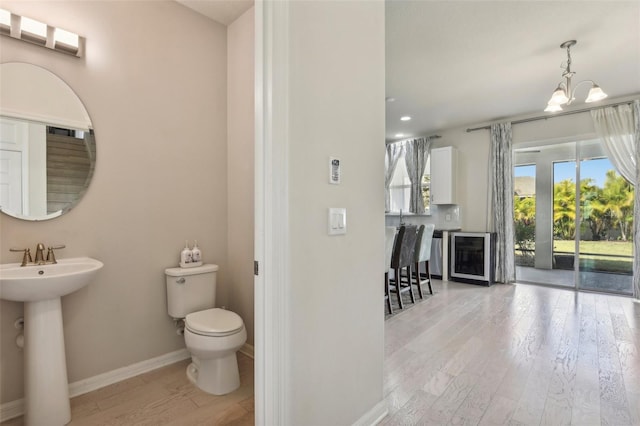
[564, 209]
[594, 208]
[618, 194]
[524, 215]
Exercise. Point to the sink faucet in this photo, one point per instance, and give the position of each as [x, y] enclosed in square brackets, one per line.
[39, 254]
[40, 259]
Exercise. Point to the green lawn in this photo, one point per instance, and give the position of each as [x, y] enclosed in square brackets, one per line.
[621, 248]
[604, 256]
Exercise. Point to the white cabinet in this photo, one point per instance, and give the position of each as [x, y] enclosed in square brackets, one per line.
[444, 164]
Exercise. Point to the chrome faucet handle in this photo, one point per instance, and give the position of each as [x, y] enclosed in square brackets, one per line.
[26, 258]
[51, 257]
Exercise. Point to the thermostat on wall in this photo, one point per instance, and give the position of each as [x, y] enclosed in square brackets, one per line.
[334, 170]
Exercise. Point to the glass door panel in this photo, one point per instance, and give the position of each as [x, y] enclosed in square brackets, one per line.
[524, 208]
[606, 222]
[581, 233]
[564, 222]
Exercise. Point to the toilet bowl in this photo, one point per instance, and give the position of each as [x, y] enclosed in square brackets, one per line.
[213, 337]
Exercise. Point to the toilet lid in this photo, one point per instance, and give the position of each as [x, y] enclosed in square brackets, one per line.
[214, 322]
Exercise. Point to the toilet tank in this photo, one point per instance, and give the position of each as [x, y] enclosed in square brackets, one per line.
[190, 289]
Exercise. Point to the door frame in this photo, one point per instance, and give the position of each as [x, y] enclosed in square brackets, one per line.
[271, 241]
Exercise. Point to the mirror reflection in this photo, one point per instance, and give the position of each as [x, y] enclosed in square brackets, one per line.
[47, 144]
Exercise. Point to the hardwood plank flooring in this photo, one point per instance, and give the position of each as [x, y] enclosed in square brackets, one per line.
[164, 397]
[469, 355]
[516, 355]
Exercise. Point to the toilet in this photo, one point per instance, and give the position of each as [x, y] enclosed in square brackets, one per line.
[212, 335]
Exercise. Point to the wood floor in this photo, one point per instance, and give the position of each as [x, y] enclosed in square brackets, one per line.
[164, 397]
[469, 355]
[516, 355]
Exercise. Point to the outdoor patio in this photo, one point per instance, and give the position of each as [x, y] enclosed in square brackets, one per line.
[595, 281]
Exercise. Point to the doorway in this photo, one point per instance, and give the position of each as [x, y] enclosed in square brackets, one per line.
[568, 234]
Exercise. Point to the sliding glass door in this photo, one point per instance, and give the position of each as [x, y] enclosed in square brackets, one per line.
[605, 258]
[565, 218]
[583, 218]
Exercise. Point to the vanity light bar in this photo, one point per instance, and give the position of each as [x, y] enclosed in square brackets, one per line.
[5, 21]
[41, 34]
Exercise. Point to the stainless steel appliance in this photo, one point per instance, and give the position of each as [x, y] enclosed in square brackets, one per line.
[435, 264]
[473, 257]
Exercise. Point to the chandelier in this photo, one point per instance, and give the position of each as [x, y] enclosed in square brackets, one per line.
[565, 93]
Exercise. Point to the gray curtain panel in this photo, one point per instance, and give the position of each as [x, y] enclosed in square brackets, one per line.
[394, 150]
[417, 152]
[501, 186]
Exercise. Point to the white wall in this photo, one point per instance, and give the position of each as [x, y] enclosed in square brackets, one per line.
[336, 108]
[240, 159]
[154, 83]
[33, 93]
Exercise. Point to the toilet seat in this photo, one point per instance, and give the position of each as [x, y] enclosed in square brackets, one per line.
[214, 322]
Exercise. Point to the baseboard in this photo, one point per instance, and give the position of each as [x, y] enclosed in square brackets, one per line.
[101, 380]
[13, 409]
[247, 349]
[373, 416]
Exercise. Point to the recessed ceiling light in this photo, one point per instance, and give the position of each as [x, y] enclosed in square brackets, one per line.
[405, 118]
[390, 99]
[399, 135]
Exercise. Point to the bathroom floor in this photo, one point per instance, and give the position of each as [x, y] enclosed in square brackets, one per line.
[164, 397]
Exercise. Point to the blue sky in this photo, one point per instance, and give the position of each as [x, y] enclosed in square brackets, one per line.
[594, 169]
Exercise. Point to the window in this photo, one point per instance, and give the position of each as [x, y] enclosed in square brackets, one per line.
[400, 188]
[580, 237]
[524, 213]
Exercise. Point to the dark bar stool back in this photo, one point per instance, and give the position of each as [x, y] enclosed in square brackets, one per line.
[403, 258]
[423, 255]
[390, 236]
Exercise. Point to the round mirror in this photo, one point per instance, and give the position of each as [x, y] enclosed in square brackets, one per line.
[47, 144]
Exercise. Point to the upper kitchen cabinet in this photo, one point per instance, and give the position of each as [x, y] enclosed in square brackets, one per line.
[444, 164]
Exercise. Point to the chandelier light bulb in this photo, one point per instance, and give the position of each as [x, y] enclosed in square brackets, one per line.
[552, 108]
[559, 97]
[595, 94]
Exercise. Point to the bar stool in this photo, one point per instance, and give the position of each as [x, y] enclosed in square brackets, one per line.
[423, 254]
[390, 236]
[403, 257]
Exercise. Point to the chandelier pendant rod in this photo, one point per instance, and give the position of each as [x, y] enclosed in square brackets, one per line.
[567, 74]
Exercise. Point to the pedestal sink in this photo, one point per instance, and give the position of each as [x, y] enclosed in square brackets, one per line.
[40, 288]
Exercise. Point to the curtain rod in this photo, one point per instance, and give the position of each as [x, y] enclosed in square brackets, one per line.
[418, 137]
[545, 117]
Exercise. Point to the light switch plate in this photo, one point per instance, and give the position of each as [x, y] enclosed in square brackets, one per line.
[337, 221]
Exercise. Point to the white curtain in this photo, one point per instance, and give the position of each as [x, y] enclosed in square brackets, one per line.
[417, 153]
[394, 150]
[615, 126]
[501, 205]
[619, 128]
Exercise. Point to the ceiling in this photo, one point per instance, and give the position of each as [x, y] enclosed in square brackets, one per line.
[459, 63]
[456, 63]
[222, 11]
